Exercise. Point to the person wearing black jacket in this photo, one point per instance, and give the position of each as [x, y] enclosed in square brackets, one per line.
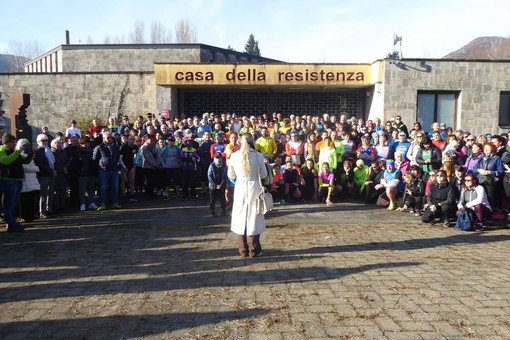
[413, 192]
[106, 155]
[440, 200]
[86, 173]
[429, 157]
[217, 176]
[375, 173]
[44, 159]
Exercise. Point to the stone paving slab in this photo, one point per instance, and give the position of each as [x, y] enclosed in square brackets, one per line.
[167, 271]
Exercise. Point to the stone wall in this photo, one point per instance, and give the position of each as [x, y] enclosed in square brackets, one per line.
[132, 57]
[56, 98]
[131, 60]
[479, 84]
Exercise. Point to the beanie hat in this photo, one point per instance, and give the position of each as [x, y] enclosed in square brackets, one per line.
[360, 162]
[7, 137]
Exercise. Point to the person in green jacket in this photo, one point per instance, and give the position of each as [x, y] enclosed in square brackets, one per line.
[12, 157]
[360, 176]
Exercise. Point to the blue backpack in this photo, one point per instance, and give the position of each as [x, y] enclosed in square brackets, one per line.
[466, 220]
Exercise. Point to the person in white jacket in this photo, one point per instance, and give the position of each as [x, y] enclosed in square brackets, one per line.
[474, 197]
[30, 190]
[247, 168]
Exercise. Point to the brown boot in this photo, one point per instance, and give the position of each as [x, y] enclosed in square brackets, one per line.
[242, 244]
[254, 245]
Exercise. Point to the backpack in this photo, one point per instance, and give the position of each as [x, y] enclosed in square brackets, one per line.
[466, 220]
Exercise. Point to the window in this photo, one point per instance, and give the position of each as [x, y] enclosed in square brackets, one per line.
[436, 107]
[504, 110]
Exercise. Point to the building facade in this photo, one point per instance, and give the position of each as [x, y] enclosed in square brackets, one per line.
[113, 80]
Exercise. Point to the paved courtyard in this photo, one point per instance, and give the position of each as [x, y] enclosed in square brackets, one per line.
[167, 270]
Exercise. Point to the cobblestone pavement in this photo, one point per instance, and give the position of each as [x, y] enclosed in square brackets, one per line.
[167, 270]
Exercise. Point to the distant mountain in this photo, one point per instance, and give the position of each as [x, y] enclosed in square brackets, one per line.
[483, 48]
[8, 63]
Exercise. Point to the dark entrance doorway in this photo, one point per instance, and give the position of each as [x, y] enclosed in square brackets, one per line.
[253, 102]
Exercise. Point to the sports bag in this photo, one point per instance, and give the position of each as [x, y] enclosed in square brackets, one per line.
[466, 220]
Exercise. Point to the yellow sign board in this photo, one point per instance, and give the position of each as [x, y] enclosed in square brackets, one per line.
[263, 74]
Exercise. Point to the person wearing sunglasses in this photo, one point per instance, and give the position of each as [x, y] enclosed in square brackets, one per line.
[440, 200]
[474, 197]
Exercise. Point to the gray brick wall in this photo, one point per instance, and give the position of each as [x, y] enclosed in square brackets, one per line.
[479, 83]
[55, 98]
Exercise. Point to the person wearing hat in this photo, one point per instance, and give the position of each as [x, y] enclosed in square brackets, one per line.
[360, 176]
[402, 145]
[217, 176]
[393, 184]
[203, 127]
[219, 146]
[469, 140]
[12, 158]
[171, 157]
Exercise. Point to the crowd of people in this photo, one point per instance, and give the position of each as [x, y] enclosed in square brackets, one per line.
[311, 158]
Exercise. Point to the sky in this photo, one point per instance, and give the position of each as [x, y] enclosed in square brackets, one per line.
[297, 31]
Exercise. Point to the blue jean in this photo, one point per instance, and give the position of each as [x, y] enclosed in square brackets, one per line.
[11, 190]
[109, 179]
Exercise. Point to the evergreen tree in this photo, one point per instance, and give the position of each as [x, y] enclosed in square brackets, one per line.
[252, 46]
[393, 55]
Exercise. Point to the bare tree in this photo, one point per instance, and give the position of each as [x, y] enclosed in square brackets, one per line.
[137, 36]
[107, 40]
[159, 34]
[119, 39]
[184, 33]
[22, 52]
[89, 40]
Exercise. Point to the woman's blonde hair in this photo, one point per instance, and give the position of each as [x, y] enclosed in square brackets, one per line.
[246, 144]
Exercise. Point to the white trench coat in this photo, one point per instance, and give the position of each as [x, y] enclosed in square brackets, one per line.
[246, 192]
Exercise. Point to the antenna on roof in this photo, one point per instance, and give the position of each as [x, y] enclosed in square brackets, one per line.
[398, 39]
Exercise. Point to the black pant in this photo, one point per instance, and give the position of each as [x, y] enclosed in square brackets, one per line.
[189, 181]
[214, 194]
[29, 205]
[443, 211]
[151, 178]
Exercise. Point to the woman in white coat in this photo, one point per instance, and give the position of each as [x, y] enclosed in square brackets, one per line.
[247, 168]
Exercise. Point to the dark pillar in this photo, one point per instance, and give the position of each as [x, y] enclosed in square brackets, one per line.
[19, 123]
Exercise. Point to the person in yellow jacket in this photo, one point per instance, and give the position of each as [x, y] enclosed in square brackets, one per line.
[266, 144]
[328, 154]
[360, 176]
[339, 146]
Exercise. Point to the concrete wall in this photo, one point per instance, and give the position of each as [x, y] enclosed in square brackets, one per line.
[56, 98]
[479, 84]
